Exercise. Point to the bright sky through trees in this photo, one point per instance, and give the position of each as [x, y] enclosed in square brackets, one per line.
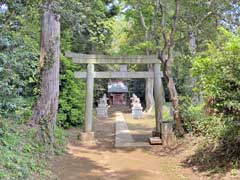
[3, 8]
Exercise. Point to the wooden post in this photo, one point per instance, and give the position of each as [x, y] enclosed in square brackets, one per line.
[158, 99]
[89, 98]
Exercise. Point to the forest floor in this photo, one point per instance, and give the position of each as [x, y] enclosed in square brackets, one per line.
[105, 162]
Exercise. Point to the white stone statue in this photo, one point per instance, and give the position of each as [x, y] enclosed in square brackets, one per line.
[137, 112]
[102, 109]
[103, 101]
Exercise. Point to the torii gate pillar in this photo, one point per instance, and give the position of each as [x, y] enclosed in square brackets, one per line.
[87, 137]
[89, 98]
[157, 90]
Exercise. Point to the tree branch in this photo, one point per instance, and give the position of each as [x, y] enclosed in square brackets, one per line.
[173, 30]
[164, 33]
[142, 20]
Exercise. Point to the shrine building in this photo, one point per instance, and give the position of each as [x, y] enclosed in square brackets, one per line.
[117, 92]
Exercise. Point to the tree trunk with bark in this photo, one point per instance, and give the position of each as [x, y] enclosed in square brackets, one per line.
[165, 55]
[174, 98]
[45, 110]
[149, 81]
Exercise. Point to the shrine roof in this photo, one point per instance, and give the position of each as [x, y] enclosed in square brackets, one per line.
[117, 87]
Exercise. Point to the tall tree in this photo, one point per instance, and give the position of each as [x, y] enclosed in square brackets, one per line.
[168, 25]
[149, 81]
[45, 111]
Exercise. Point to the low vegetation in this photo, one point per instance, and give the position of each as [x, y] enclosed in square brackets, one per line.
[21, 156]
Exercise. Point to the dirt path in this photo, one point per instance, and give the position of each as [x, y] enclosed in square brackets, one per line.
[104, 162]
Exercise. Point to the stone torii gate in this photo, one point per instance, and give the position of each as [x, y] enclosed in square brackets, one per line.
[88, 135]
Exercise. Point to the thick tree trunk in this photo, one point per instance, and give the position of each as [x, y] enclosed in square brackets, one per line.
[174, 99]
[45, 111]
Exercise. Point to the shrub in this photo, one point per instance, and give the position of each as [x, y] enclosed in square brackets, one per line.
[199, 122]
[72, 96]
[18, 80]
[219, 72]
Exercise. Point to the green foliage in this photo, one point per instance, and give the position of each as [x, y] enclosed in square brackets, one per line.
[167, 112]
[18, 79]
[197, 121]
[217, 118]
[19, 154]
[90, 24]
[220, 145]
[218, 149]
[21, 157]
[181, 70]
[219, 72]
[18, 59]
[129, 34]
[72, 96]
[90, 32]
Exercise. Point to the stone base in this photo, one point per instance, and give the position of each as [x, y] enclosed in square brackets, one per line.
[156, 133]
[88, 139]
[102, 112]
[137, 113]
[155, 141]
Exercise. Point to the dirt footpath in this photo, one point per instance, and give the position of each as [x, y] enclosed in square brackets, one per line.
[104, 162]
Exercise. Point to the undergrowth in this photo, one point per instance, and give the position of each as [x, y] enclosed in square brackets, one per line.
[219, 146]
[21, 157]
